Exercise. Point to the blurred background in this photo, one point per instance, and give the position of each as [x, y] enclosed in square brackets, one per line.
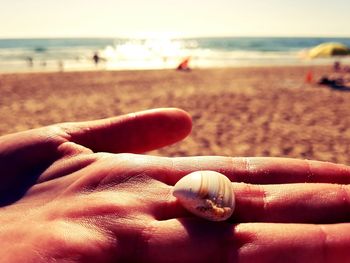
[260, 78]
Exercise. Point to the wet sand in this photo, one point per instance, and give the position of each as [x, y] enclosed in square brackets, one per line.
[236, 112]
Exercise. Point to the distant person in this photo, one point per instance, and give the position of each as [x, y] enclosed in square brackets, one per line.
[60, 65]
[336, 66]
[309, 78]
[183, 66]
[326, 81]
[96, 58]
[165, 60]
[334, 83]
[30, 62]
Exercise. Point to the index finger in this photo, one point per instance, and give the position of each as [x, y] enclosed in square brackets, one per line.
[255, 170]
[268, 170]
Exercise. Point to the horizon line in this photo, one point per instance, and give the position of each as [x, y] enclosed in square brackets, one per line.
[175, 37]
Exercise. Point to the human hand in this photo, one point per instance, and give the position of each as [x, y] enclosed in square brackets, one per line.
[85, 206]
[39, 173]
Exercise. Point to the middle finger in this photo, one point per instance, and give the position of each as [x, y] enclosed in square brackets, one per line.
[288, 203]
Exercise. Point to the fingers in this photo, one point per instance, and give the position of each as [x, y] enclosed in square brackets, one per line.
[297, 202]
[264, 170]
[201, 241]
[292, 203]
[293, 242]
[256, 170]
[289, 203]
[135, 133]
[187, 240]
[25, 155]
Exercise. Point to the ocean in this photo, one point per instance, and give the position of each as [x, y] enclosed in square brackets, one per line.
[70, 54]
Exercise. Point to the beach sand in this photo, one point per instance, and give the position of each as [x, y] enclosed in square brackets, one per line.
[267, 111]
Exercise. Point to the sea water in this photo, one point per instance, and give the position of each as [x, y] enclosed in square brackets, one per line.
[119, 54]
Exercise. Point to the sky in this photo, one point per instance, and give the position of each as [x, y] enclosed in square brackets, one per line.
[170, 18]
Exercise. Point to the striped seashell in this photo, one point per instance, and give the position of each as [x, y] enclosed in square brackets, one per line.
[207, 194]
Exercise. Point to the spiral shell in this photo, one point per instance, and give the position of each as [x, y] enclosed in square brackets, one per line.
[207, 194]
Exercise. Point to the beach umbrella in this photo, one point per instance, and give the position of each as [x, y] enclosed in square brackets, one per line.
[330, 49]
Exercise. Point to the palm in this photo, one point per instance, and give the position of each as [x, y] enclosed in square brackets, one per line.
[95, 212]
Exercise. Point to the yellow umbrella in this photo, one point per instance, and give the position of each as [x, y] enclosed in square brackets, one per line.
[330, 49]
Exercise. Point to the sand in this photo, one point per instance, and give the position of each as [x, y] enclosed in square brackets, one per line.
[267, 111]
